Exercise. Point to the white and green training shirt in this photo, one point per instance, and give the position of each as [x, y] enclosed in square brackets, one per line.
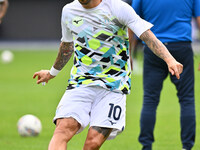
[101, 43]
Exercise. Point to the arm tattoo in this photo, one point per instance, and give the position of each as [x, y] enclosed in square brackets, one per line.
[155, 45]
[65, 52]
[104, 131]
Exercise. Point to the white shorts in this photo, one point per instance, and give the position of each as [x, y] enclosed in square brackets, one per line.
[94, 105]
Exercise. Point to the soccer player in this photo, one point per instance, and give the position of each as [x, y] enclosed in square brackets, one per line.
[96, 31]
[3, 8]
[172, 26]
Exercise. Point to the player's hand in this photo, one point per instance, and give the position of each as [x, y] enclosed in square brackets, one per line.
[43, 76]
[175, 68]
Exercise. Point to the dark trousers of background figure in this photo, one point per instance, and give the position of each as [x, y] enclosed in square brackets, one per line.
[154, 73]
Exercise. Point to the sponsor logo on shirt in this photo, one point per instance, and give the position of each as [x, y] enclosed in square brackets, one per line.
[77, 21]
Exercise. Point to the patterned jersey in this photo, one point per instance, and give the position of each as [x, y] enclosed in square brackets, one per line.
[101, 55]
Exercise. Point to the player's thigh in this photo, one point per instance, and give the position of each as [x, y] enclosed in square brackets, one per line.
[76, 103]
[109, 112]
[67, 127]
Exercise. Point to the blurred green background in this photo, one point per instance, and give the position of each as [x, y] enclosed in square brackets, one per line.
[20, 95]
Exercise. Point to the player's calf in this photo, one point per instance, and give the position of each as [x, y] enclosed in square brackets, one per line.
[96, 137]
[65, 130]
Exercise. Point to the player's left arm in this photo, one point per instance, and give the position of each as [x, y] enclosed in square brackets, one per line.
[3, 9]
[158, 48]
[198, 23]
[65, 52]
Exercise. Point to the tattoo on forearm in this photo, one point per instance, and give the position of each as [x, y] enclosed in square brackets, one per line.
[65, 52]
[155, 45]
[104, 131]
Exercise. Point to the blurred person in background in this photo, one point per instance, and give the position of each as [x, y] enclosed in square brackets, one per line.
[136, 45]
[172, 26]
[3, 9]
[195, 31]
[96, 31]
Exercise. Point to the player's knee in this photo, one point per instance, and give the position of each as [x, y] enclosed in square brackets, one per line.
[92, 144]
[66, 128]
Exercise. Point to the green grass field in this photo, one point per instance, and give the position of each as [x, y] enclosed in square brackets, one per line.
[20, 95]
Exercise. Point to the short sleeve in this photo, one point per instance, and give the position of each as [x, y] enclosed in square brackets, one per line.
[66, 33]
[129, 18]
[196, 8]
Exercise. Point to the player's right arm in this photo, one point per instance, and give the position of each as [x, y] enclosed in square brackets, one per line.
[65, 52]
